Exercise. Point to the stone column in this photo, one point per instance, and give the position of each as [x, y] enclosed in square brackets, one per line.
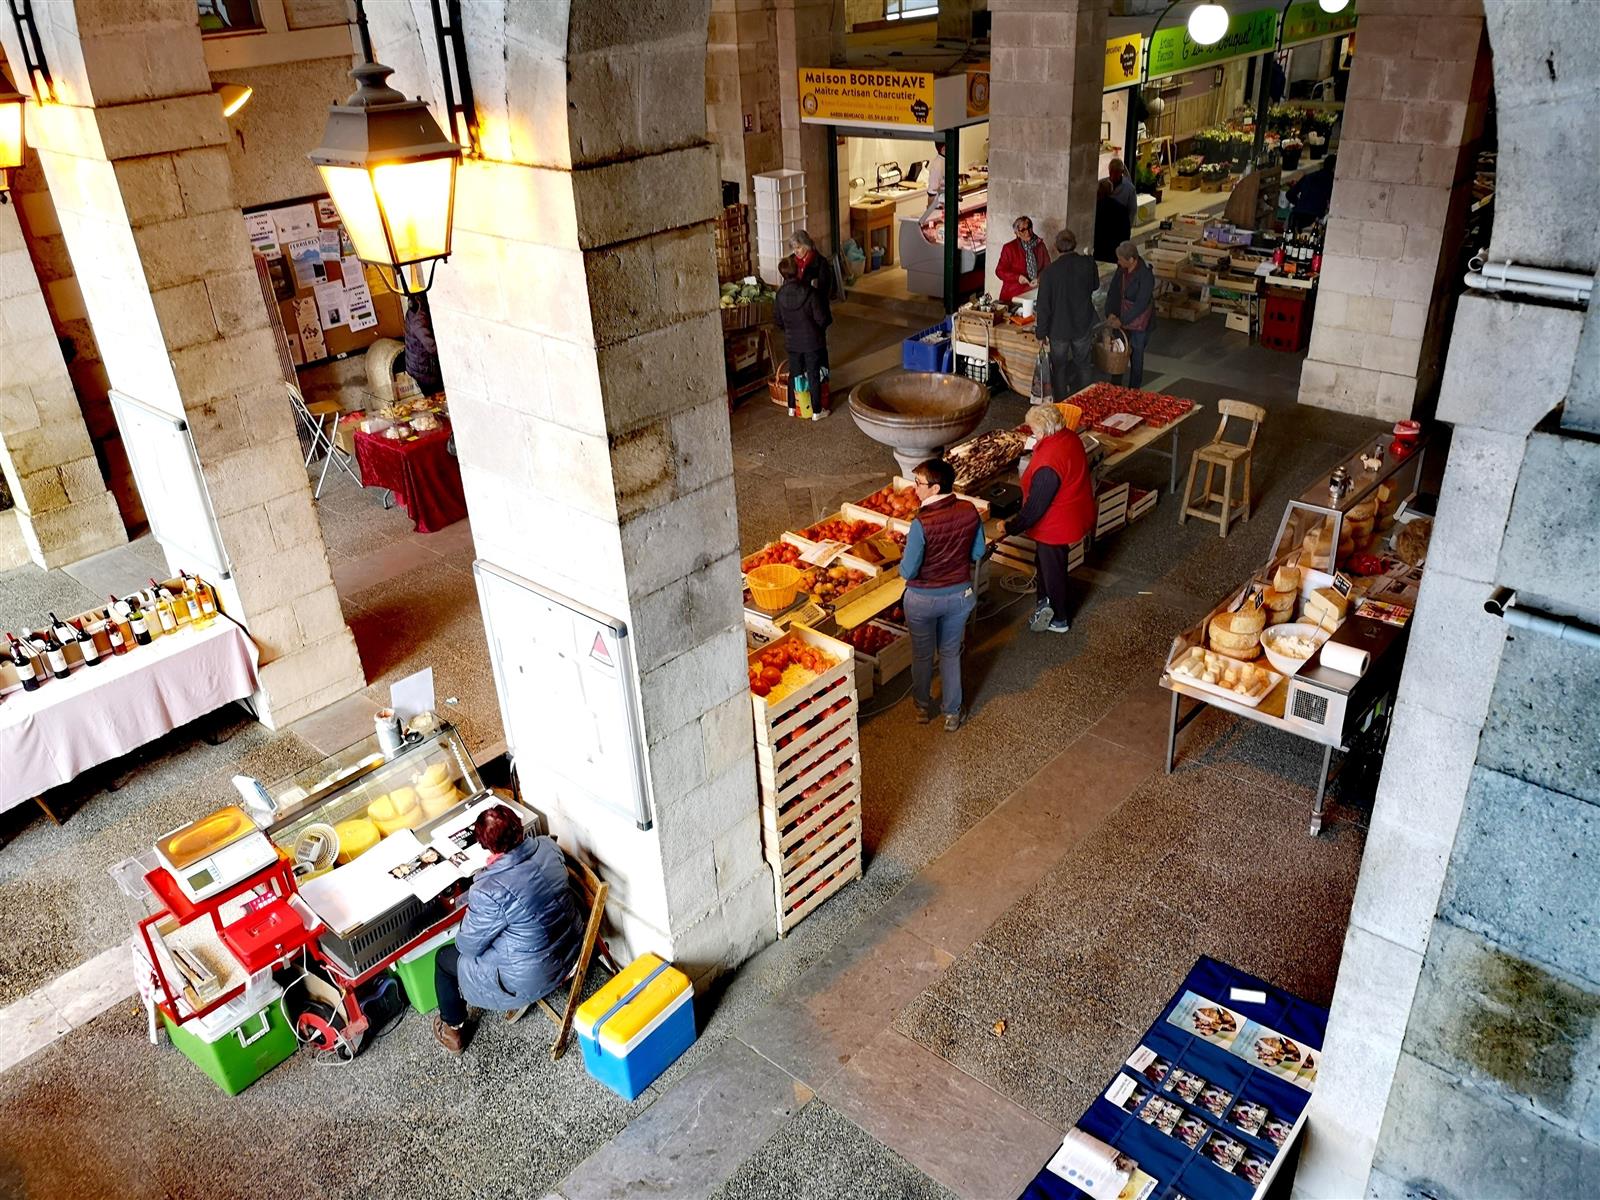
[955, 20]
[808, 36]
[742, 90]
[1418, 93]
[64, 511]
[576, 323]
[134, 156]
[1047, 71]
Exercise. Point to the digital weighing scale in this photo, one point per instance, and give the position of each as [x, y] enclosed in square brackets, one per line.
[214, 852]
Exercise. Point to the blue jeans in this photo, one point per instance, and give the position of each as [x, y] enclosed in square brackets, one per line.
[1138, 339]
[938, 623]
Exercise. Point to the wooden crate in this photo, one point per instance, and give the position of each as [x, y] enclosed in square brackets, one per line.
[773, 717]
[818, 874]
[892, 659]
[732, 232]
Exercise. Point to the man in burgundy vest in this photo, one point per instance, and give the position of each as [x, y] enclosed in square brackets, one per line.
[944, 542]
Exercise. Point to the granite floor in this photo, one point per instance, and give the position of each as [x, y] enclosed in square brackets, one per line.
[1036, 869]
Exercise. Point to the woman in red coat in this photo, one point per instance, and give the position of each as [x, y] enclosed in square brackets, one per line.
[1058, 508]
[1022, 260]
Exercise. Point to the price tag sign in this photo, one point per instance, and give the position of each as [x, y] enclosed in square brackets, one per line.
[823, 553]
[1342, 584]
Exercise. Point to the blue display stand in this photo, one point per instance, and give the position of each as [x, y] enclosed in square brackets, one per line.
[1178, 1170]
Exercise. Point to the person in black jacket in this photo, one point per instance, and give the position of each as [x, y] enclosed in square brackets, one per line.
[803, 316]
[1310, 195]
[1065, 315]
[1131, 307]
[1112, 225]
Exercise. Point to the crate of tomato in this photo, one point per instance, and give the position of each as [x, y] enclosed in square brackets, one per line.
[885, 647]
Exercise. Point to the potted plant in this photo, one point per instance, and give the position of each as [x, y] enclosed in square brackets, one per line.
[1188, 176]
[1289, 148]
[1213, 176]
[1239, 146]
[1148, 179]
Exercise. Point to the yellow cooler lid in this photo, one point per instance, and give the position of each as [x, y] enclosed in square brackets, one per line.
[630, 1001]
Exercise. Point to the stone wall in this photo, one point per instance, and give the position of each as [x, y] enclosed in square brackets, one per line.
[1415, 109]
[1460, 1060]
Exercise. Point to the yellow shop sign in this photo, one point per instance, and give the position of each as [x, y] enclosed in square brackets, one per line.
[867, 96]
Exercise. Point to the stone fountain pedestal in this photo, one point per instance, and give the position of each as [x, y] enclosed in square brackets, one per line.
[918, 413]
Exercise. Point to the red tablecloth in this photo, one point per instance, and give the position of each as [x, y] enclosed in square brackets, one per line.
[423, 475]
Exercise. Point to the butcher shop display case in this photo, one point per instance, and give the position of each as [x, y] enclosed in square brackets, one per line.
[922, 246]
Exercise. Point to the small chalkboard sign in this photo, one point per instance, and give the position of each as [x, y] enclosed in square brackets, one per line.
[1342, 584]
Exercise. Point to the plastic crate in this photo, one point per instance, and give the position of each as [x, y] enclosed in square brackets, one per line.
[918, 355]
[981, 370]
[238, 1043]
[415, 971]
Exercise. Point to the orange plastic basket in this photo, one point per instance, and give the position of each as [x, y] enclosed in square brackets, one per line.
[774, 586]
[1071, 414]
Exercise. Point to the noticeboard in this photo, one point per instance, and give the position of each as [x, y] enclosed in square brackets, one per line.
[331, 304]
[1173, 51]
[830, 95]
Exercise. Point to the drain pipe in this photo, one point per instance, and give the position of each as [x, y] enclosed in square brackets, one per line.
[1569, 286]
[1501, 603]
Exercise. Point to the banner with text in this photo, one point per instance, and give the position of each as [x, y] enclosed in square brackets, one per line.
[829, 95]
[1307, 22]
[1172, 51]
[1122, 61]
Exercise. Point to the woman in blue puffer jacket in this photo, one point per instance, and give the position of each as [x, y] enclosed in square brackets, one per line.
[521, 935]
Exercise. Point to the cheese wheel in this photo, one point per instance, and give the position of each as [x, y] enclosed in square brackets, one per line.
[356, 837]
[1365, 511]
[1277, 601]
[1253, 652]
[1286, 617]
[1285, 579]
[1249, 619]
[1224, 639]
[437, 775]
[396, 811]
[1327, 597]
[434, 805]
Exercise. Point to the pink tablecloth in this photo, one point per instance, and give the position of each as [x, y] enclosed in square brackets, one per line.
[50, 736]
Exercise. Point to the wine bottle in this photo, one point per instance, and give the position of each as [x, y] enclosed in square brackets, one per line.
[86, 646]
[191, 606]
[117, 613]
[161, 602]
[137, 622]
[115, 638]
[204, 595]
[54, 653]
[23, 662]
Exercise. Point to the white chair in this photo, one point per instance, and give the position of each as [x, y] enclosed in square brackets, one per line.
[321, 419]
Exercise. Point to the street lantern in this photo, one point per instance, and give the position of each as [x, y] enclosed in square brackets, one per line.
[1333, 6]
[1207, 24]
[12, 103]
[391, 173]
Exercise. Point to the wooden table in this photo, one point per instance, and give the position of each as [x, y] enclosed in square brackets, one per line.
[1142, 437]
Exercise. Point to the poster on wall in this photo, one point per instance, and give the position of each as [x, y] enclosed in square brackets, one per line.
[306, 255]
[309, 328]
[281, 272]
[330, 304]
[263, 235]
[327, 214]
[358, 307]
[295, 222]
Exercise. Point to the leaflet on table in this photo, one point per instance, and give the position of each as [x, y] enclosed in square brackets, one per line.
[1098, 1169]
[351, 895]
[1257, 1044]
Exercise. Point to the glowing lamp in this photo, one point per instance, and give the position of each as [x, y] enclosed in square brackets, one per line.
[12, 103]
[1207, 24]
[391, 173]
[1333, 6]
[234, 96]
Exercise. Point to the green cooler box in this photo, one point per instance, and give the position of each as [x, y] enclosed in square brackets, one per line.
[238, 1043]
[415, 970]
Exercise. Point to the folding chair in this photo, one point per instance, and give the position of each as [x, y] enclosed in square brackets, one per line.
[321, 419]
[593, 890]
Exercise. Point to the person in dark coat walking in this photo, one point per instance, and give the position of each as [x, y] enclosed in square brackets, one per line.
[521, 935]
[1112, 225]
[1131, 306]
[803, 316]
[1065, 315]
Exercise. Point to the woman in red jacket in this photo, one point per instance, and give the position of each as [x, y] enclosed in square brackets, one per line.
[1022, 260]
[1057, 510]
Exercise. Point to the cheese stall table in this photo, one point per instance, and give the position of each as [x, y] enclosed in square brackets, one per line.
[421, 472]
[99, 713]
[1340, 694]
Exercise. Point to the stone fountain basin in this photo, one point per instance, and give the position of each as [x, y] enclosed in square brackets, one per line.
[918, 413]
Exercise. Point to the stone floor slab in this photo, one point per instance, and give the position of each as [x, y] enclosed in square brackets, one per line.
[943, 1121]
[693, 1138]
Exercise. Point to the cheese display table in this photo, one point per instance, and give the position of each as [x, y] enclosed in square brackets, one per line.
[54, 734]
[421, 472]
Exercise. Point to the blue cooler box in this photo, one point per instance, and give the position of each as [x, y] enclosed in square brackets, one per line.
[636, 1026]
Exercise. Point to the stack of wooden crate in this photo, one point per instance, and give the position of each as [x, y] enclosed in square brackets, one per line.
[808, 759]
[733, 243]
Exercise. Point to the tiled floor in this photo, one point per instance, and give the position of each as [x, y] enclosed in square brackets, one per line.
[1035, 885]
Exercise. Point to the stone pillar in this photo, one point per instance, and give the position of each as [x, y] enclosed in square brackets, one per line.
[808, 36]
[1470, 982]
[955, 20]
[1415, 108]
[64, 511]
[135, 158]
[742, 90]
[1047, 70]
[576, 322]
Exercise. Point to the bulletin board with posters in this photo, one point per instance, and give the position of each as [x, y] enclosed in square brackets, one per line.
[331, 305]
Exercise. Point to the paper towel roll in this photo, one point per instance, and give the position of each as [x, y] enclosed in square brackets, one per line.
[1337, 656]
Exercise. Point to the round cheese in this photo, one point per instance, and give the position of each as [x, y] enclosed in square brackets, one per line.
[356, 837]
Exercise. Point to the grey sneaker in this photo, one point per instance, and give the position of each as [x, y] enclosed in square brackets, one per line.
[924, 715]
[1062, 626]
[1043, 614]
[953, 722]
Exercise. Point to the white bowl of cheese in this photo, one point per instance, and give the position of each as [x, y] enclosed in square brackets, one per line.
[1289, 646]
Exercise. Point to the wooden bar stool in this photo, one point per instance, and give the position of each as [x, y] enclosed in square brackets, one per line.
[1220, 452]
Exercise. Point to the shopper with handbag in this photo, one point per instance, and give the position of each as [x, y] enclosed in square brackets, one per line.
[1022, 260]
[801, 314]
[1131, 306]
[1065, 315]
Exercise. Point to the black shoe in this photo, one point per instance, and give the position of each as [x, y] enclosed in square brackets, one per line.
[954, 720]
[925, 715]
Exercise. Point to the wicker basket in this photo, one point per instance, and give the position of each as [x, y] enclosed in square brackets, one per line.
[774, 586]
